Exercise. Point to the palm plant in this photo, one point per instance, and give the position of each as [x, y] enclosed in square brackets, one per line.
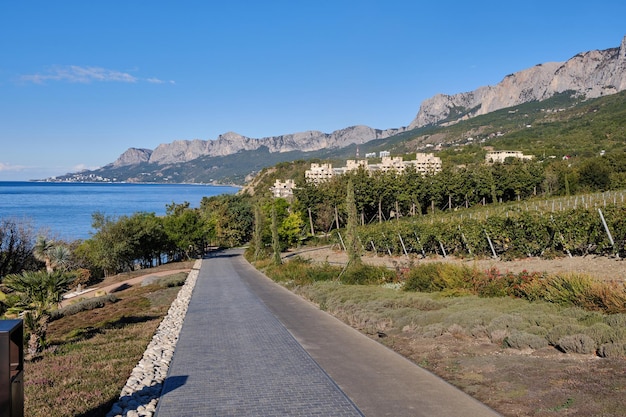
[54, 255]
[38, 293]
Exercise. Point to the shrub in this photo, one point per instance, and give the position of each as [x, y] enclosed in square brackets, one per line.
[601, 333]
[562, 330]
[491, 283]
[366, 274]
[612, 350]
[83, 305]
[437, 276]
[577, 343]
[523, 340]
[568, 290]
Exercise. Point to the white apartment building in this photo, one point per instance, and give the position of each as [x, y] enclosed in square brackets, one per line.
[500, 156]
[424, 163]
[319, 173]
[283, 189]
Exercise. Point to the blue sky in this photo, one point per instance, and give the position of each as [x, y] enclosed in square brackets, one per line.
[82, 81]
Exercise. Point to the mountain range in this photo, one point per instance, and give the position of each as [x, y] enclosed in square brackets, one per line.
[590, 74]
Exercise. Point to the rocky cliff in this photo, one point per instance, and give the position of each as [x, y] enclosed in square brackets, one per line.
[593, 74]
[132, 156]
[231, 143]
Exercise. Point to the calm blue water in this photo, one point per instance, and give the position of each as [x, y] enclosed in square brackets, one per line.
[63, 210]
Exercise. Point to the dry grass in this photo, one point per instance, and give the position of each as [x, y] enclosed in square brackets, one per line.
[92, 353]
[521, 357]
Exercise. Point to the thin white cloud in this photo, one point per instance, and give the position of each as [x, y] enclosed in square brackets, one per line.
[11, 168]
[85, 75]
[82, 167]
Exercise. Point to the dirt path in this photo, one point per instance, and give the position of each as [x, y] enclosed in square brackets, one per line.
[604, 268]
[117, 286]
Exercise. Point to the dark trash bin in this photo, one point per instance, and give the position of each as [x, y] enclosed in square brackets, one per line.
[11, 368]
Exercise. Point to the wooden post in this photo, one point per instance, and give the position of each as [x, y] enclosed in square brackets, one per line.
[336, 217]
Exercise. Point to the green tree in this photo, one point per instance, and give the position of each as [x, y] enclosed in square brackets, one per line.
[186, 230]
[290, 229]
[595, 174]
[258, 233]
[38, 294]
[16, 247]
[352, 241]
[275, 239]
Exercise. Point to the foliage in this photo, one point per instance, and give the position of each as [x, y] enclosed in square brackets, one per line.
[362, 274]
[229, 219]
[91, 353]
[16, 247]
[83, 305]
[352, 244]
[38, 294]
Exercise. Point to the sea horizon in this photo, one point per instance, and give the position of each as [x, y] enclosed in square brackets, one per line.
[63, 210]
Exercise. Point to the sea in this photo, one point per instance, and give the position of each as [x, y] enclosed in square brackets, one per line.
[64, 210]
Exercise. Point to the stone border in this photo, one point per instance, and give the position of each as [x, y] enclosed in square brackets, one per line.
[140, 395]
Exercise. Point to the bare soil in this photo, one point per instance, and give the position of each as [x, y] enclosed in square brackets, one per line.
[543, 382]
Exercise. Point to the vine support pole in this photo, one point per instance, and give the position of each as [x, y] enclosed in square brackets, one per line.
[403, 247]
[341, 240]
[493, 251]
[608, 232]
[420, 243]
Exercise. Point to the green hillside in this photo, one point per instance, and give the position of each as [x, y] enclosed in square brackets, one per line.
[564, 125]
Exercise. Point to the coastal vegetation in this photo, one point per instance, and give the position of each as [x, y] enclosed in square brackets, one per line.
[566, 202]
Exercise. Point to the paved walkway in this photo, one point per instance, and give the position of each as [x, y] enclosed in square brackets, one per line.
[248, 347]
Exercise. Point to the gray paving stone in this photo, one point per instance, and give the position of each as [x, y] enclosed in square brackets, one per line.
[234, 358]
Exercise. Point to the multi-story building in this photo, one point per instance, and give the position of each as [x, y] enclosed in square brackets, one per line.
[424, 163]
[500, 156]
[319, 173]
[283, 189]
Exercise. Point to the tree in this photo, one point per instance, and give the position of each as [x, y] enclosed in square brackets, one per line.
[258, 233]
[16, 247]
[186, 229]
[352, 242]
[595, 174]
[275, 240]
[38, 294]
[290, 229]
[54, 255]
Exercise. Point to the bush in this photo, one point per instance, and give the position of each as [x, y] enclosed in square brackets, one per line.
[301, 271]
[577, 343]
[523, 340]
[438, 276]
[612, 350]
[366, 274]
[83, 305]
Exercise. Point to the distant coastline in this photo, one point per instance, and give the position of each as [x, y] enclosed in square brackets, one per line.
[64, 209]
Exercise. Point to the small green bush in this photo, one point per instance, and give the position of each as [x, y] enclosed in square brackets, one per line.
[366, 274]
[438, 276]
